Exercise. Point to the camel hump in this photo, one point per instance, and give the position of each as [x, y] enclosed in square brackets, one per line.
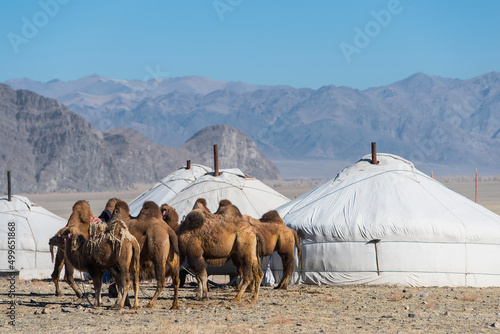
[201, 204]
[150, 210]
[193, 220]
[228, 210]
[271, 217]
[223, 204]
[80, 205]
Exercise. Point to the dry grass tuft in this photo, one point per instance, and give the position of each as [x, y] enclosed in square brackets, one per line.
[395, 296]
[430, 304]
[469, 297]
[333, 299]
[281, 320]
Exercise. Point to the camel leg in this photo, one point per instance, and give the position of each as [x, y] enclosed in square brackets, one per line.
[199, 267]
[246, 278]
[97, 279]
[122, 283]
[203, 284]
[288, 269]
[160, 281]
[257, 279]
[58, 265]
[135, 279]
[68, 278]
[174, 270]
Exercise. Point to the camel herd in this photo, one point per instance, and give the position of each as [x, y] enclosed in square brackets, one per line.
[154, 245]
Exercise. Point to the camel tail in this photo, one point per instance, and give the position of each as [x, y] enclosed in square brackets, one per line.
[174, 244]
[52, 252]
[260, 247]
[299, 248]
[136, 256]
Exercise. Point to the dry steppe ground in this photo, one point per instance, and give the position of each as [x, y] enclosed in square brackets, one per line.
[303, 308]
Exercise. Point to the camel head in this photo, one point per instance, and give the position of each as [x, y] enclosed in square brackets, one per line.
[170, 216]
[271, 217]
[57, 240]
[150, 210]
[74, 237]
[121, 211]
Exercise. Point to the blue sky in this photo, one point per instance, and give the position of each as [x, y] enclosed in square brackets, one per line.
[298, 43]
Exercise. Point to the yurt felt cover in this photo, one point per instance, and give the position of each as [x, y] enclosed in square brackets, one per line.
[389, 223]
[251, 196]
[34, 226]
[163, 191]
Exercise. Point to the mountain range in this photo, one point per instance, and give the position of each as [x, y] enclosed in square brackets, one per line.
[451, 125]
[49, 148]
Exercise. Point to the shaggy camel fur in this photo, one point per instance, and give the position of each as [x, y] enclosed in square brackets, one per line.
[205, 238]
[170, 216]
[107, 248]
[80, 218]
[159, 246]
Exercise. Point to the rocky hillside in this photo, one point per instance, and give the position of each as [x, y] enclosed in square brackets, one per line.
[50, 148]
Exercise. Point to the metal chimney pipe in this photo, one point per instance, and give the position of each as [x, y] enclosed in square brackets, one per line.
[374, 154]
[188, 165]
[9, 191]
[216, 160]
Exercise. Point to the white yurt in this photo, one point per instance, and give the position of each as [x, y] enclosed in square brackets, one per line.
[168, 187]
[250, 195]
[30, 226]
[388, 223]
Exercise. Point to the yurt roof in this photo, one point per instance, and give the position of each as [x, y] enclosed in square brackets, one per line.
[390, 200]
[163, 191]
[250, 195]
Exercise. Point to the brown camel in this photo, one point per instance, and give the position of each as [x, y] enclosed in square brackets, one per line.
[278, 238]
[80, 218]
[159, 246]
[205, 238]
[107, 248]
[170, 216]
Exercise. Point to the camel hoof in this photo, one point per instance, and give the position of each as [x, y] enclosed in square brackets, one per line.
[116, 307]
[235, 299]
[136, 307]
[150, 305]
[175, 307]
